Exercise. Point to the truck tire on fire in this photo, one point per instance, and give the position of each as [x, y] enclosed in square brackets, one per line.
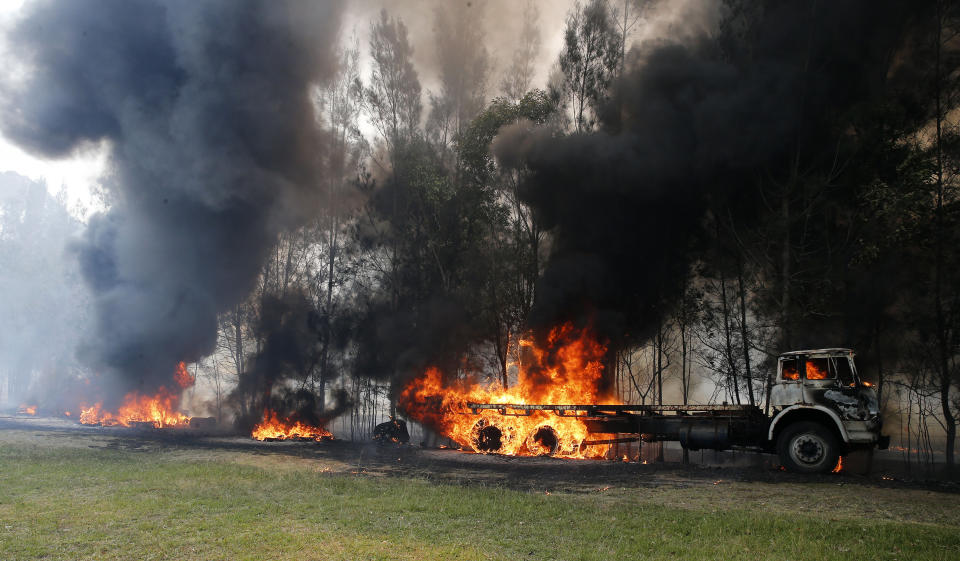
[487, 438]
[808, 447]
[544, 441]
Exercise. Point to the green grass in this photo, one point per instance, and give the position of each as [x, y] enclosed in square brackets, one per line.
[61, 503]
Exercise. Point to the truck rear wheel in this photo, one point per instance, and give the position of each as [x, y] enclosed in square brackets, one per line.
[808, 447]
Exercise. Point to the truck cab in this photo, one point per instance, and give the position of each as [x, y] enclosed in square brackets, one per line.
[820, 409]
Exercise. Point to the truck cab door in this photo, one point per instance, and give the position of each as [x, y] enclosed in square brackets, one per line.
[831, 382]
[788, 390]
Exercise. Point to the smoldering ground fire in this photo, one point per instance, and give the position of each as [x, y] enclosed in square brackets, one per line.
[160, 410]
[274, 428]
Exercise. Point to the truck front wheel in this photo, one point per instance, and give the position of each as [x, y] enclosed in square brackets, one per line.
[808, 447]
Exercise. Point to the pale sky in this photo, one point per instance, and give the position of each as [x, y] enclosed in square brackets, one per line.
[78, 176]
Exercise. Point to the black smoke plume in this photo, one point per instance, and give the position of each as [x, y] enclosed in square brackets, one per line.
[692, 126]
[205, 108]
[291, 332]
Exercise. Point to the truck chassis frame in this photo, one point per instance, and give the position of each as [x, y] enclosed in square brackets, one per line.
[716, 427]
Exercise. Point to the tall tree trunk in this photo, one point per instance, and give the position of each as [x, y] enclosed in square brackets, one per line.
[785, 257]
[743, 330]
[659, 347]
[684, 375]
[728, 346]
[660, 351]
[879, 350]
[238, 338]
[503, 359]
[943, 343]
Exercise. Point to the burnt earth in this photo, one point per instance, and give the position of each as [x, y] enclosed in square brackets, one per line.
[541, 474]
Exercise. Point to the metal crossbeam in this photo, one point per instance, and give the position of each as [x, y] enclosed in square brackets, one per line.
[596, 408]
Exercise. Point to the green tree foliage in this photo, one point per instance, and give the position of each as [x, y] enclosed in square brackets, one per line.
[393, 96]
[589, 61]
[464, 68]
[514, 234]
[518, 78]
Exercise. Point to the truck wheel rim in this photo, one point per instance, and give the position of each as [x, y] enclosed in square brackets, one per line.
[808, 449]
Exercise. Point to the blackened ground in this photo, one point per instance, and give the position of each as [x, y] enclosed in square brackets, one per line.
[541, 474]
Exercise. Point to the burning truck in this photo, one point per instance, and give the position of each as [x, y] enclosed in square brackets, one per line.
[817, 410]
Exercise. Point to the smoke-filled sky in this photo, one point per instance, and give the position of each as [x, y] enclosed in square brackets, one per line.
[691, 128]
[79, 174]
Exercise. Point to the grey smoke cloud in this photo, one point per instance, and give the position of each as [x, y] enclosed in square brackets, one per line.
[206, 111]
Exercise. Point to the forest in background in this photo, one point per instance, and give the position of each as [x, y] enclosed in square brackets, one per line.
[455, 219]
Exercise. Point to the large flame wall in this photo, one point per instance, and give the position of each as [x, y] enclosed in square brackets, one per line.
[568, 369]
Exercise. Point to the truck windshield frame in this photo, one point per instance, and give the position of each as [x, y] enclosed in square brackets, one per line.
[825, 368]
[844, 371]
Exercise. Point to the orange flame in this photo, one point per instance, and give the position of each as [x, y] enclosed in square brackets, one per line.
[182, 376]
[790, 371]
[839, 466]
[816, 369]
[274, 428]
[25, 409]
[568, 371]
[159, 409]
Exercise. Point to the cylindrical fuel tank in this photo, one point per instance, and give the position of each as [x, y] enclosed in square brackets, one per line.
[712, 436]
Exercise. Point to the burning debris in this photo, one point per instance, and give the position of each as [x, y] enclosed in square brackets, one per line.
[183, 377]
[203, 423]
[158, 410]
[274, 428]
[394, 430]
[568, 369]
[25, 409]
[142, 411]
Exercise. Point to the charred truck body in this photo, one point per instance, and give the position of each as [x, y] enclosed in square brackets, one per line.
[817, 410]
